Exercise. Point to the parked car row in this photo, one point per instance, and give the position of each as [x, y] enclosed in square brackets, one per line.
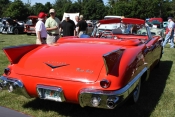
[7, 25]
[10, 26]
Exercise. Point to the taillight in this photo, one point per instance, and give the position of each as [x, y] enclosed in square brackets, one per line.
[7, 71]
[105, 83]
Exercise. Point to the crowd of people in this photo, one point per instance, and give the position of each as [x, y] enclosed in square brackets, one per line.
[48, 29]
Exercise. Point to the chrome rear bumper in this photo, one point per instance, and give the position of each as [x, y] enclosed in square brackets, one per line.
[13, 85]
[17, 87]
[108, 99]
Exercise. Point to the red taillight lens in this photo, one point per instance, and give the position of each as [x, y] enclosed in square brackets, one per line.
[105, 83]
[7, 71]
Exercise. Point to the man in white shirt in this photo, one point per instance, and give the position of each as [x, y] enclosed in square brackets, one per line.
[170, 33]
[40, 29]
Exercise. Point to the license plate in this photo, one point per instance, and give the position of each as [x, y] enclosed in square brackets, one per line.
[50, 93]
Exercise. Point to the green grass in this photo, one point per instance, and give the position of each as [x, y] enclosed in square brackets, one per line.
[157, 97]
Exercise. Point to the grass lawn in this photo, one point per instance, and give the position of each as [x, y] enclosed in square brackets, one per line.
[157, 98]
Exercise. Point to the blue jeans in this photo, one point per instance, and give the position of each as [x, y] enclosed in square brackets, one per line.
[167, 38]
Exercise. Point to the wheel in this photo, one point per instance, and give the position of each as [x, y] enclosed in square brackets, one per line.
[28, 33]
[136, 93]
[16, 31]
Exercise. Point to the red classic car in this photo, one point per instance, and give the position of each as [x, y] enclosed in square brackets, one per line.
[99, 71]
[30, 25]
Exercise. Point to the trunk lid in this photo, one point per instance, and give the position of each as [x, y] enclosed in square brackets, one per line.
[67, 61]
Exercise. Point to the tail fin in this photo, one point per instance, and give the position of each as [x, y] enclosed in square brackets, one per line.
[112, 60]
[16, 52]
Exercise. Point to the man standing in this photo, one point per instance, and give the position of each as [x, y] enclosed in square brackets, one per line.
[68, 26]
[52, 25]
[170, 33]
[76, 22]
[82, 26]
[40, 29]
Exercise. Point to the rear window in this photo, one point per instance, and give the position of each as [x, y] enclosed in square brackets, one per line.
[31, 21]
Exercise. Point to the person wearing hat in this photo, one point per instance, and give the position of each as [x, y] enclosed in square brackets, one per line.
[52, 25]
[82, 26]
[68, 26]
[40, 29]
[170, 33]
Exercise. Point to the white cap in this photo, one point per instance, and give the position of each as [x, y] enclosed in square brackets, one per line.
[81, 16]
[67, 15]
[52, 11]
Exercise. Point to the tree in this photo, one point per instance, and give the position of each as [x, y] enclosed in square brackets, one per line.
[93, 9]
[62, 6]
[48, 6]
[38, 7]
[16, 10]
[3, 6]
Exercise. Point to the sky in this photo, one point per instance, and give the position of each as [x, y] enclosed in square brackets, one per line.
[44, 1]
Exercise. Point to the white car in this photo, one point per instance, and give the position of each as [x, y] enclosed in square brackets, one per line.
[109, 27]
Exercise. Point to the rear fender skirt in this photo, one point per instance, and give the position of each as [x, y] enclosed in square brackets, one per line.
[16, 52]
[112, 60]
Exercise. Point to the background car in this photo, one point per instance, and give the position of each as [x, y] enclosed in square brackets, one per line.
[1, 25]
[165, 24]
[156, 27]
[109, 27]
[0, 22]
[11, 27]
[29, 26]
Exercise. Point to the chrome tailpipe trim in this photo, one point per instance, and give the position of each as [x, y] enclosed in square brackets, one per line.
[13, 85]
[112, 102]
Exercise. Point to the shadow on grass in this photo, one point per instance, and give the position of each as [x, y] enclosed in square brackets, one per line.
[151, 92]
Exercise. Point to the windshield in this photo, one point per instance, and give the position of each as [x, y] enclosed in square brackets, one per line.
[31, 21]
[124, 29]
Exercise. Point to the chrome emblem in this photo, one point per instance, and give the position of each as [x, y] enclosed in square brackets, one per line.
[84, 70]
[53, 66]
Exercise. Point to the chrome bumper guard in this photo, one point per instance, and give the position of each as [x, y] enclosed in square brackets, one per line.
[13, 85]
[108, 99]
[50, 93]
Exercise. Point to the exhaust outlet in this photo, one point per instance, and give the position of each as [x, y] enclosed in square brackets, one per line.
[111, 102]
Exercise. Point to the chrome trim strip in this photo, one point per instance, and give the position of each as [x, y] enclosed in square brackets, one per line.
[86, 94]
[16, 86]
